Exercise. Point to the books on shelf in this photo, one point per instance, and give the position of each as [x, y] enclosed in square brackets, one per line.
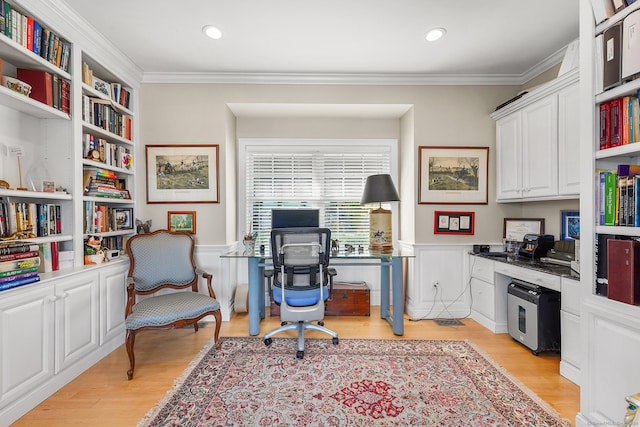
[19, 282]
[40, 219]
[48, 255]
[31, 34]
[47, 88]
[19, 264]
[115, 91]
[101, 150]
[100, 113]
[618, 196]
[619, 121]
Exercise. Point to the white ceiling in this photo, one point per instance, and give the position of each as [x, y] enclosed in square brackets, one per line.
[335, 39]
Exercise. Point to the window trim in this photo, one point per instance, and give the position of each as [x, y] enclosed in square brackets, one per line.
[309, 145]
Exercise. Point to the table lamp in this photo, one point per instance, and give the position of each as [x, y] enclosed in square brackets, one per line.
[379, 189]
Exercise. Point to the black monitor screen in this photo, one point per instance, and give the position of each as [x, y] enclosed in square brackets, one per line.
[283, 218]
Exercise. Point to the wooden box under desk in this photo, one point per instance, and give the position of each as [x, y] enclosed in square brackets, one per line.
[349, 299]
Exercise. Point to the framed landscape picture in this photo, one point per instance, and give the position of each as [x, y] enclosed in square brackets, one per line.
[124, 218]
[182, 173]
[453, 175]
[181, 221]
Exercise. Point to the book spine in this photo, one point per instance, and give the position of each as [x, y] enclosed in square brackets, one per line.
[19, 264]
[610, 199]
[615, 114]
[55, 256]
[20, 282]
[605, 141]
[17, 256]
[18, 276]
[20, 271]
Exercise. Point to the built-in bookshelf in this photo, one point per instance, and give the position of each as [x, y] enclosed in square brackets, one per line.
[611, 328]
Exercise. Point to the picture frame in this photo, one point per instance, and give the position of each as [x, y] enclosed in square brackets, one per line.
[182, 173]
[453, 175]
[514, 229]
[569, 225]
[123, 218]
[181, 221]
[445, 222]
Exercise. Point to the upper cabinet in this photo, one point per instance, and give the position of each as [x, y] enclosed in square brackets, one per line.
[536, 143]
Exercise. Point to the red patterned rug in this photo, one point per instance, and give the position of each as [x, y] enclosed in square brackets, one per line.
[355, 383]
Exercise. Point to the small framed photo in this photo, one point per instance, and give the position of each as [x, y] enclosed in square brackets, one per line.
[48, 186]
[182, 221]
[124, 218]
[446, 222]
[569, 225]
[514, 229]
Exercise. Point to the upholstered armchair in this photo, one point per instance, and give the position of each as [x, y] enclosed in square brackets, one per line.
[161, 260]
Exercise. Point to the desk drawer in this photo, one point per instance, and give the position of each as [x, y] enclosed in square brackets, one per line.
[482, 268]
[483, 294]
[570, 301]
[536, 277]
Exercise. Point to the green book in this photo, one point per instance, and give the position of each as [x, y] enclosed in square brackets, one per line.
[610, 185]
[19, 271]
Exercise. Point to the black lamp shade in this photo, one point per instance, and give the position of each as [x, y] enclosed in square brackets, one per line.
[378, 189]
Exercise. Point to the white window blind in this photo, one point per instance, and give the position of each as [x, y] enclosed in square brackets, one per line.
[329, 179]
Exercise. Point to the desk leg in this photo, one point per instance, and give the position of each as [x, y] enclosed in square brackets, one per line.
[384, 290]
[255, 290]
[398, 296]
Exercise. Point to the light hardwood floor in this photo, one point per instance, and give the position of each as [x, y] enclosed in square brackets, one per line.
[102, 396]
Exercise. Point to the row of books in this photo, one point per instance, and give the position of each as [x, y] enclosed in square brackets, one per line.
[101, 150]
[619, 122]
[114, 90]
[605, 9]
[99, 182]
[618, 196]
[99, 112]
[617, 55]
[32, 35]
[47, 88]
[40, 219]
[19, 264]
[102, 219]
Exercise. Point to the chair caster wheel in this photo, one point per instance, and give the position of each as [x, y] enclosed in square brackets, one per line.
[320, 323]
[335, 341]
[268, 341]
[283, 323]
[300, 354]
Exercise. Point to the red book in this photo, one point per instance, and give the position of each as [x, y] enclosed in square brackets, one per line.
[623, 269]
[41, 84]
[66, 95]
[605, 141]
[30, 33]
[55, 263]
[615, 124]
[21, 255]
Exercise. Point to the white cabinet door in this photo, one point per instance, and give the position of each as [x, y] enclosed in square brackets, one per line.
[540, 148]
[76, 318]
[570, 348]
[509, 157]
[26, 340]
[113, 297]
[569, 141]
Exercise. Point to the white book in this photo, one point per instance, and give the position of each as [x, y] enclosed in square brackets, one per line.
[631, 44]
[602, 9]
[599, 64]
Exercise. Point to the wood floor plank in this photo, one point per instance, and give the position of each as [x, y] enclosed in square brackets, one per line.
[102, 396]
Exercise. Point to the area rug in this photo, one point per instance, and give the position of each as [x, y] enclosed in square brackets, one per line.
[355, 383]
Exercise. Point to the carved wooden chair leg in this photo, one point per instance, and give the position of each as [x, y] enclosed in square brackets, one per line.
[218, 342]
[131, 338]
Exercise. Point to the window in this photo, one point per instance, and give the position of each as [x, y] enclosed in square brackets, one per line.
[325, 174]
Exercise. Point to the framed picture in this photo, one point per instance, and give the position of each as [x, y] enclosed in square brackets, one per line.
[124, 218]
[514, 229]
[569, 225]
[453, 222]
[182, 173]
[181, 221]
[453, 175]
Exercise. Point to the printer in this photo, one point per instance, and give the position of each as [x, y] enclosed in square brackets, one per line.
[535, 246]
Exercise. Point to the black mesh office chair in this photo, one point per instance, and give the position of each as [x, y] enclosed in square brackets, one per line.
[300, 281]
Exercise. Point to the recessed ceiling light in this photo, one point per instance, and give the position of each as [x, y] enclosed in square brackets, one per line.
[211, 31]
[435, 34]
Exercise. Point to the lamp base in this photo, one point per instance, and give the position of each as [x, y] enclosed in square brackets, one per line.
[380, 233]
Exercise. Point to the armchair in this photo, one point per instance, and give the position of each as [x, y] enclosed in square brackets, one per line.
[300, 280]
[160, 260]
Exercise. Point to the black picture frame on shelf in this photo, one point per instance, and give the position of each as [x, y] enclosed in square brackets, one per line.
[123, 218]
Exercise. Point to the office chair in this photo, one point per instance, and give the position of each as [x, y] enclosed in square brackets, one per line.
[301, 278]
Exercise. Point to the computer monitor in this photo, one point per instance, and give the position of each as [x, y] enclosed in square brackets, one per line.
[283, 218]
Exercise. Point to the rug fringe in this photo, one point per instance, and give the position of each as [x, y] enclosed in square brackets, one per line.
[522, 386]
[153, 412]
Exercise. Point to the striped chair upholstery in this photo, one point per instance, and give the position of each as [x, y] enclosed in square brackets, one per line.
[162, 260]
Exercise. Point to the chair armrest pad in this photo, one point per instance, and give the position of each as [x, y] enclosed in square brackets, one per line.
[332, 271]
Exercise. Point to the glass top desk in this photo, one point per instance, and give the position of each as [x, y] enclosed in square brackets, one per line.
[391, 265]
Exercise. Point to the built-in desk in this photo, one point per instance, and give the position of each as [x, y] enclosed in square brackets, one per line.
[490, 277]
[391, 292]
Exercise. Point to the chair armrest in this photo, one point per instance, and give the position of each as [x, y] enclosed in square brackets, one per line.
[268, 273]
[209, 279]
[331, 272]
[131, 296]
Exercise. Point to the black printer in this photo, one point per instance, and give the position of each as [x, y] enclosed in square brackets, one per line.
[535, 246]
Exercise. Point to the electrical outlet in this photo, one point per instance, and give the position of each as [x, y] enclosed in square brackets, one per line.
[436, 284]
